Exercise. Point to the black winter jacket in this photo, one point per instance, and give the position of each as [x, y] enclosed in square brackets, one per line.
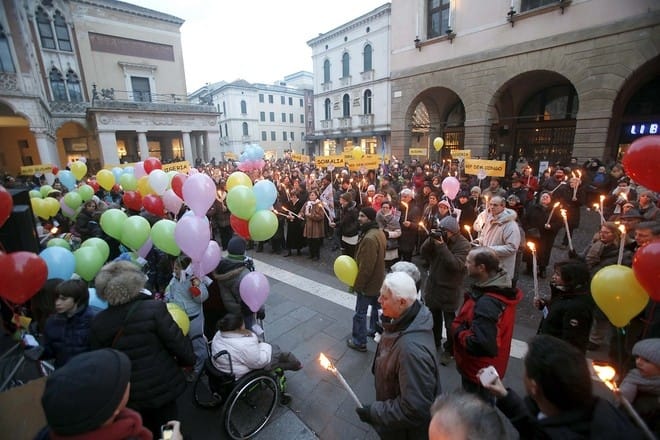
[444, 284]
[569, 317]
[67, 336]
[154, 343]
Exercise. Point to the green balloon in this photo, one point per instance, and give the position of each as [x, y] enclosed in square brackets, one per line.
[128, 182]
[112, 221]
[60, 242]
[45, 190]
[100, 245]
[135, 232]
[73, 200]
[88, 262]
[162, 234]
[86, 192]
[262, 225]
[242, 202]
[35, 194]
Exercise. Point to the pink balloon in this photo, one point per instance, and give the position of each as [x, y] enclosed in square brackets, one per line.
[172, 202]
[199, 193]
[65, 209]
[138, 170]
[209, 260]
[193, 171]
[192, 235]
[146, 248]
[451, 186]
[254, 290]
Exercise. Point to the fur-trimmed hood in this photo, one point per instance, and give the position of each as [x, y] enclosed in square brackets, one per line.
[119, 282]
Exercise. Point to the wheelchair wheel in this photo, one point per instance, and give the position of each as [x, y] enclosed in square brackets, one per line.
[250, 405]
[203, 395]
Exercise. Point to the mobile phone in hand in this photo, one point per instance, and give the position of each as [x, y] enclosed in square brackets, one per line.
[166, 431]
[488, 376]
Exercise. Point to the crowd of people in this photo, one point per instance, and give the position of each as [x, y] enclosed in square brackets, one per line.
[472, 250]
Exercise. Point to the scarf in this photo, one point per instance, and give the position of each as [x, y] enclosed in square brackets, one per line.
[127, 425]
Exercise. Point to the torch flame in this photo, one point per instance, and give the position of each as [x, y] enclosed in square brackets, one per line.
[606, 374]
[325, 362]
[531, 246]
[622, 228]
[54, 230]
[562, 212]
[596, 206]
[602, 198]
[556, 204]
[405, 204]
[467, 228]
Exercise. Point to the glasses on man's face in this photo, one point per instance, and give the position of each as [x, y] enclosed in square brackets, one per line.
[494, 205]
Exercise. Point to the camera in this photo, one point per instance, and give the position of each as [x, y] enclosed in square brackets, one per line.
[439, 234]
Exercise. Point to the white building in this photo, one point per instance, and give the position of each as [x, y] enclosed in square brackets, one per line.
[352, 102]
[273, 116]
[100, 79]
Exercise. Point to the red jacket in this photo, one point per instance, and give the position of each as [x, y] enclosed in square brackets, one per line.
[483, 328]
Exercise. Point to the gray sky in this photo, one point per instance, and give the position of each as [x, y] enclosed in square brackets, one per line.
[256, 40]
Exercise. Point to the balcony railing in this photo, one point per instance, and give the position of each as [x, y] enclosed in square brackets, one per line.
[327, 86]
[327, 124]
[366, 121]
[69, 108]
[345, 81]
[367, 76]
[142, 100]
[345, 123]
[8, 81]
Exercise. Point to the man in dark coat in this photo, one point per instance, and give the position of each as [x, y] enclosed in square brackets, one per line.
[445, 251]
[144, 330]
[406, 371]
[409, 219]
[370, 258]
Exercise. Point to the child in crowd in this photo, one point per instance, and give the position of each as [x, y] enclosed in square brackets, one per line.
[246, 352]
[189, 292]
[67, 332]
[641, 386]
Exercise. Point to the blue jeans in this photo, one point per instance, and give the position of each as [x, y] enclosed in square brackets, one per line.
[362, 303]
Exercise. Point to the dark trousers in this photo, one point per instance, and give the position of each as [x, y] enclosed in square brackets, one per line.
[154, 418]
[315, 246]
[438, 317]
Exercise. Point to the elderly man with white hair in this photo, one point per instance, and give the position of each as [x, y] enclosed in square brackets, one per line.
[407, 375]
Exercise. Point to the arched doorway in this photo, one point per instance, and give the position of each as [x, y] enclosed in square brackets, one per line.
[17, 144]
[75, 141]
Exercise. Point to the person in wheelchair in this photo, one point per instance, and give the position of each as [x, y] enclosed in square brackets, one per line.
[246, 351]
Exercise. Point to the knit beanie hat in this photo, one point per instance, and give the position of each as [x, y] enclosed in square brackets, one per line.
[369, 212]
[371, 188]
[450, 224]
[84, 393]
[236, 247]
[649, 349]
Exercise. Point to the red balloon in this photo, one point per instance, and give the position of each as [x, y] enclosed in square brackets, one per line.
[240, 226]
[116, 188]
[177, 184]
[94, 184]
[645, 267]
[22, 275]
[154, 204]
[642, 161]
[6, 205]
[55, 170]
[152, 164]
[132, 200]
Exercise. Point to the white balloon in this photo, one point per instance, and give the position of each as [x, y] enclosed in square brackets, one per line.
[50, 178]
[158, 181]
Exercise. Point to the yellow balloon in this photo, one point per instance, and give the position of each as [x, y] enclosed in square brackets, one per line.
[78, 169]
[180, 317]
[39, 207]
[106, 179]
[357, 153]
[438, 143]
[238, 178]
[51, 206]
[143, 186]
[618, 294]
[346, 269]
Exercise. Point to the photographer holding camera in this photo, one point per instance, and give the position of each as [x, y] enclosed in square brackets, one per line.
[445, 250]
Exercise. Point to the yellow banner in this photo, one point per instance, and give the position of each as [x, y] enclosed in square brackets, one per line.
[490, 167]
[300, 157]
[370, 163]
[466, 154]
[34, 169]
[182, 167]
[230, 156]
[417, 151]
[270, 154]
[334, 159]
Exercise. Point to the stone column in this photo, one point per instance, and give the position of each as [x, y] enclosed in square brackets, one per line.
[205, 147]
[590, 137]
[47, 149]
[477, 138]
[199, 146]
[143, 145]
[108, 147]
[187, 147]
[213, 145]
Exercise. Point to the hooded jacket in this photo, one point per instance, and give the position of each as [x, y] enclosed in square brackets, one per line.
[569, 316]
[407, 376]
[228, 275]
[144, 330]
[67, 336]
[442, 290]
[502, 234]
[392, 229]
[370, 258]
[483, 328]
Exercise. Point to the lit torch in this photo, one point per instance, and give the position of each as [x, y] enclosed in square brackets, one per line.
[532, 248]
[325, 363]
[421, 224]
[405, 219]
[568, 231]
[552, 211]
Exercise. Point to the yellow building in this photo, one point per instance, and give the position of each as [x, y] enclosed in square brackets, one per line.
[100, 79]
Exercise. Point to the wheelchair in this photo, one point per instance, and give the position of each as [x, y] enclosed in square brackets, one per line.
[246, 403]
